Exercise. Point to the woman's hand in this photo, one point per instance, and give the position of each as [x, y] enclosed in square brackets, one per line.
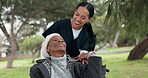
[84, 57]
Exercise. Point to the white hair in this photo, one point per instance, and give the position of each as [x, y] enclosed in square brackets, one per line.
[44, 53]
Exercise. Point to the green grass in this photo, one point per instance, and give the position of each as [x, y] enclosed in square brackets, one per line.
[117, 63]
[20, 70]
[17, 72]
[120, 67]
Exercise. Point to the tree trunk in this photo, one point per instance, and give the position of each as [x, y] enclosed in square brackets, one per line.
[114, 45]
[137, 39]
[10, 60]
[13, 51]
[33, 57]
[139, 51]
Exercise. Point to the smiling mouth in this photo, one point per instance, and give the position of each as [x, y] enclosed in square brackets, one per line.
[77, 23]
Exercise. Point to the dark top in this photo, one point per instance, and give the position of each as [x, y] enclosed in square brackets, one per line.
[85, 41]
[94, 69]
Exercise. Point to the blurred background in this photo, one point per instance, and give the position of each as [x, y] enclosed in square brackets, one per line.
[121, 27]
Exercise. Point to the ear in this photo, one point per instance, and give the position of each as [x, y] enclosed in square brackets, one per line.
[89, 18]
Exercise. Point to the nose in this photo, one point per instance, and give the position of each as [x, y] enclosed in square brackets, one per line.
[60, 41]
[78, 18]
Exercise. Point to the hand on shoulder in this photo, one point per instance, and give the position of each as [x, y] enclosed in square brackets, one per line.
[83, 57]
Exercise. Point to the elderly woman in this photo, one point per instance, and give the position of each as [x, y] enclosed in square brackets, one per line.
[58, 64]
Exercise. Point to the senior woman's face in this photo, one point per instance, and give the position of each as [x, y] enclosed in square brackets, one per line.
[56, 45]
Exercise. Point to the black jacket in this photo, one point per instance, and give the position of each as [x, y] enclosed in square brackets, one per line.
[93, 69]
[85, 41]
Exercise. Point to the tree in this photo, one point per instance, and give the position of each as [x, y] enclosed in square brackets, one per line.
[105, 31]
[10, 13]
[1, 39]
[26, 17]
[113, 22]
[32, 44]
[139, 51]
[133, 13]
[23, 14]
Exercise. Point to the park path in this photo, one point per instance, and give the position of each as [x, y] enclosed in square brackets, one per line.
[110, 52]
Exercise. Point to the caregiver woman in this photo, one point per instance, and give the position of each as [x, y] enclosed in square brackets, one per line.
[76, 32]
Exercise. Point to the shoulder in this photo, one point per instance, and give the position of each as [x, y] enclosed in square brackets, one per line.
[62, 24]
[35, 66]
[35, 72]
[89, 29]
[88, 26]
[40, 61]
[63, 21]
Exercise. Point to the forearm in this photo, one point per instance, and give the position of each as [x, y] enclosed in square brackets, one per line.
[94, 67]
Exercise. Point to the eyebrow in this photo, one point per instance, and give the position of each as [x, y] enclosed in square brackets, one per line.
[82, 15]
[58, 39]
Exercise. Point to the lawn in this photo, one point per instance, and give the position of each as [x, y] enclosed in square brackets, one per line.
[20, 70]
[117, 63]
[120, 67]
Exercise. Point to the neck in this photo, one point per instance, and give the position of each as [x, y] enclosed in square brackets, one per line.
[57, 54]
[76, 28]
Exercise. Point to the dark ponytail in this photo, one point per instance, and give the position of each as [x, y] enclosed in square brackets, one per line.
[92, 38]
[89, 29]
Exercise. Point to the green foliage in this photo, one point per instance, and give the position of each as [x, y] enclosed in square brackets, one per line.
[32, 43]
[132, 13]
[99, 28]
[34, 14]
[113, 12]
[105, 32]
[136, 16]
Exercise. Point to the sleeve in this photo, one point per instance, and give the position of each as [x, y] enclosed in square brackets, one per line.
[35, 72]
[90, 43]
[83, 51]
[94, 67]
[52, 29]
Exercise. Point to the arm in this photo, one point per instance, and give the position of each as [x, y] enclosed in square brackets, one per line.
[85, 56]
[90, 43]
[52, 29]
[91, 70]
[94, 67]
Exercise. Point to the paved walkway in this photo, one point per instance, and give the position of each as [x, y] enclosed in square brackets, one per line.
[110, 52]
